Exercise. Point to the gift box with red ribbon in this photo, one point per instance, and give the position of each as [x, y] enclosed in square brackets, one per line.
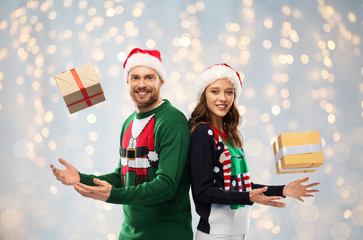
[80, 87]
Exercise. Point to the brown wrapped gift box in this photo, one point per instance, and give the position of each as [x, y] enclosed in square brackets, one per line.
[80, 87]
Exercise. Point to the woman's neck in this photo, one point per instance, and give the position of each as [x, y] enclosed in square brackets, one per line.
[218, 123]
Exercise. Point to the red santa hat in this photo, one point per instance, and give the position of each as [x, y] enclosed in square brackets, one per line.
[147, 58]
[215, 72]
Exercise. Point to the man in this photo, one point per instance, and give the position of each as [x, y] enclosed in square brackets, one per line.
[151, 180]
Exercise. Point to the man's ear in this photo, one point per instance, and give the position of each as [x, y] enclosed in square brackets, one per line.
[161, 81]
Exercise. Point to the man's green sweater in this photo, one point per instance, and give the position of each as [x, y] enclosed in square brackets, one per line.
[152, 179]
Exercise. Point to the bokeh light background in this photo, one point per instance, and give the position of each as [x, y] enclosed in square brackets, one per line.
[302, 69]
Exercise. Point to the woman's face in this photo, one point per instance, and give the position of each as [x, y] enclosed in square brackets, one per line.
[219, 96]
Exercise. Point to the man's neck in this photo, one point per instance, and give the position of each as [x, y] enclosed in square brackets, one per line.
[149, 107]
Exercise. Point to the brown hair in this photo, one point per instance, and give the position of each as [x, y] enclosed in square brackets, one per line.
[201, 115]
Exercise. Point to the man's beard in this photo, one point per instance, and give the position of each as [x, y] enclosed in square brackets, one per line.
[154, 96]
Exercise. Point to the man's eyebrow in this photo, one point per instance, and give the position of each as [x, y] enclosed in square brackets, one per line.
[146, 75]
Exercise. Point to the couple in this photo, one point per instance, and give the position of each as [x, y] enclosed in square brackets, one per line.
[157, 163]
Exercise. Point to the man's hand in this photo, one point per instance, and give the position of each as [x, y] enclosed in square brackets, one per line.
[296, 190]
[101, 192]
[69, 176]
[257, 196]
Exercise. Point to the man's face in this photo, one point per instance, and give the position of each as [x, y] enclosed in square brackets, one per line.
[144, 87]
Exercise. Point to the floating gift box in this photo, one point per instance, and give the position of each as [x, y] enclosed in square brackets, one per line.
[80, 87]
[298, 152]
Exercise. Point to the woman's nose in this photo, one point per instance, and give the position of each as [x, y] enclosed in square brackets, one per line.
[222, 97]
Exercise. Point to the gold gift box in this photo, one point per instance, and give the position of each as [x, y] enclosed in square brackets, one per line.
[298, 152]
[80, 87]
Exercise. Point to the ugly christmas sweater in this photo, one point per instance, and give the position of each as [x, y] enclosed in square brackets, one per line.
[152, 177]
[221, 183]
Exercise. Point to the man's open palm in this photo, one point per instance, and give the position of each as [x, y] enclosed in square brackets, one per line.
[69, 176]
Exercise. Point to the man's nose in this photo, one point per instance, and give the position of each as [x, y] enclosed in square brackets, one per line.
[141, 83]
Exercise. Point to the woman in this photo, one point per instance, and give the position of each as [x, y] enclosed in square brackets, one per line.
[222, 190]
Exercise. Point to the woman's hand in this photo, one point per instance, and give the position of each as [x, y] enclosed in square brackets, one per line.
[257, 196]
[296, 190]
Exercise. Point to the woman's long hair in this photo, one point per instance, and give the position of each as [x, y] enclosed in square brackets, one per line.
[202, 115]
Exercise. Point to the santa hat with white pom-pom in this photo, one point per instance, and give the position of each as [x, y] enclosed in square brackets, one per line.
[147, 58]
[215, 72]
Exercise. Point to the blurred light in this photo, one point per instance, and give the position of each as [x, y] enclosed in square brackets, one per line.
[233, 27]
[286, 104]
[328, 169]
[255, 214]
[271, 90]
[331, 118]
[52, 15]
[249, 93]
[231, 41]
[341, 230]
[89, 150]
[52, 145]
[248, 13]
[340, 181]
[347, 214]
[45, 132]
[351, 17]
[265, 117]
[111, 236]
[304, 59]
[108, 4]
[10, 218]
[284, 77]
[309, 213]
[357, 215]
[49, 116]
[275, 110]
[269, 225]
[336, 137]
[119, 9]
[267, 44]
[137, 12]
[107, 206]
[91, 118]
[286, 10]
[328, 62]
[53, 190]
[285, 93]
[242, 110]
[185, 41]
[92, 11]
[110, 12]
[268, 22]
[331, 45]
[276, 230]
[92, 136]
